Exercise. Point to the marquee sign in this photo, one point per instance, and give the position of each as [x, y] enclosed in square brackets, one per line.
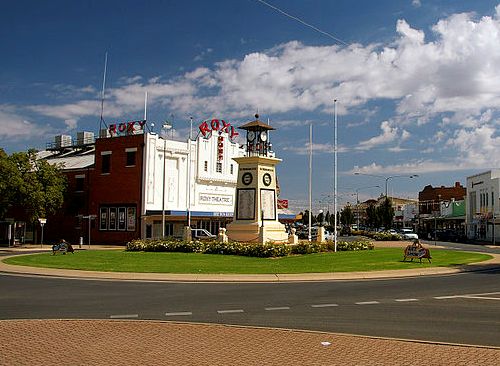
[217, 125]
[220, 148]
[126, 128]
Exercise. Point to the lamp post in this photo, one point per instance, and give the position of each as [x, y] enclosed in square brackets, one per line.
[166, 126]
[189, 174]
[387, 178]
[357, 202]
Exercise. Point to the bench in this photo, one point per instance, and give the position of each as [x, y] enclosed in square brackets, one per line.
[63, 248]
[417, 251]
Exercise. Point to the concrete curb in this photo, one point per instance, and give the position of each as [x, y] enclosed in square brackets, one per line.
[487, 265]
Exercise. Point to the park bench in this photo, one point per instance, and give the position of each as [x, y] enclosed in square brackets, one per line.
[62, 247]
[416, 251]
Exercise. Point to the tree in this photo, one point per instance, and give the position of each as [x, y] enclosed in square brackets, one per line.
[9, 178]
[385, 213]
[38, 187]
[372, 219]
[346, 216]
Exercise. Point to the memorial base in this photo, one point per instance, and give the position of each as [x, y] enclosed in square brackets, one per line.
[254, 233]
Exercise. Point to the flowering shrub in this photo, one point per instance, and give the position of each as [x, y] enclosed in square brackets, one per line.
[244, 249]
[382, 236]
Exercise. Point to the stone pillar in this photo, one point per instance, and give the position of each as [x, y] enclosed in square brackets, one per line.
[321, 234]
[187, 235]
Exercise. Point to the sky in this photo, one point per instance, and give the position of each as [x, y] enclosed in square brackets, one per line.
[417, 82]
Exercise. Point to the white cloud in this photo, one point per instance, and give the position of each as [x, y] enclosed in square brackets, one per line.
[389, 134]
[454, 72]
[14, 127]
[451, 75]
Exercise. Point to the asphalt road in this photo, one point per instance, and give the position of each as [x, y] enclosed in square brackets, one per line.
[462, 308]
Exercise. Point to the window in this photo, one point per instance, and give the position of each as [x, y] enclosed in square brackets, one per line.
[218, 167]
[130, 158]
[117, 218]
[80, 183]
[232, 170]
[205, 167]
[106, 163]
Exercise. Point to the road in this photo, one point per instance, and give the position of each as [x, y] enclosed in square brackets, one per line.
[462, 308]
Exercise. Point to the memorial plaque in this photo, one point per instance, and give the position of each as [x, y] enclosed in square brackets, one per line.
[268, 204]
[246, 204]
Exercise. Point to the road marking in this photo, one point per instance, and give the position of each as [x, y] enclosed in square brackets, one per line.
[471, 296]
[180, 313]
[278, 308]
[446, 297]
[323, 305]
[481, 297]
[230, 311]
[367, 303]
[124, 316]
[405, 300]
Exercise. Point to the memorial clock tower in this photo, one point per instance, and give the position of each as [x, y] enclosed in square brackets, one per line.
[256, 210]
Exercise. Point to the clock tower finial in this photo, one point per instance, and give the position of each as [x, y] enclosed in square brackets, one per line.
[258, 143]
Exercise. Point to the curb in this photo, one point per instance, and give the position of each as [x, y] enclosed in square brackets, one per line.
[8, 269]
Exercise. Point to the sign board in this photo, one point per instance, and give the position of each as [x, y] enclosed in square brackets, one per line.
[215, 125]
[126, 128]
[282, 203]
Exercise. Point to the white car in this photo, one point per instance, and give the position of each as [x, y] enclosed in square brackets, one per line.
[408, 234]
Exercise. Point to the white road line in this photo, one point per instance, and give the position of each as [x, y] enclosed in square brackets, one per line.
[230, 311]
[470, 296]
[367, 303]
[180, 313]
[124, 316]
[481, 297]
[278, 308]
[323, 305]
[405, 300]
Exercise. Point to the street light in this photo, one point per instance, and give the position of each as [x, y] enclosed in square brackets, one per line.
[387, 178]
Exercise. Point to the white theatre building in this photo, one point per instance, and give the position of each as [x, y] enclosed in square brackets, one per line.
[189, 181]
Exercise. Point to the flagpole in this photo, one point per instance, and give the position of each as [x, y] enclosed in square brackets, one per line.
[310, 181]
[335, 172]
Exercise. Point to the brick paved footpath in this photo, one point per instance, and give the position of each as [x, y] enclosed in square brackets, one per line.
[119, 342]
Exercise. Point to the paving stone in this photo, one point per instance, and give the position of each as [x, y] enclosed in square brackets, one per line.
[119, 342]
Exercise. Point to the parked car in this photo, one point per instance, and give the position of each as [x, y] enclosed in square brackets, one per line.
[408, 234]
[202, 234]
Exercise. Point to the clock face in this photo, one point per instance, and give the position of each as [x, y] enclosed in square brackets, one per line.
[266, 179]
[251, 136]
[247, 178]
[263, 136]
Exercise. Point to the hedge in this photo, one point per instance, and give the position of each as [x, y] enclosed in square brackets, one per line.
[378, 236]
[244, 249]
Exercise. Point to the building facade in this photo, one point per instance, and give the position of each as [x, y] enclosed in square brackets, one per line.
[130, 183]
[483, 206]
[430, 200]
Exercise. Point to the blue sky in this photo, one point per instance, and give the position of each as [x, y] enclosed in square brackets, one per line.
[417, 82]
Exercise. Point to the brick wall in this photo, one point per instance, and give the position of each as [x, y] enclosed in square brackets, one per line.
[430, 197]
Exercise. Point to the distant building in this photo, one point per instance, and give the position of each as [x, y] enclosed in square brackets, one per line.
[483, 206]
[430, 200]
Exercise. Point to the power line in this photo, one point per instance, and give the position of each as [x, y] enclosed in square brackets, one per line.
[303, 22]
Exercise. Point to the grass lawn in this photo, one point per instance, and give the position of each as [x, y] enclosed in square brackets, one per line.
[122, 261]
